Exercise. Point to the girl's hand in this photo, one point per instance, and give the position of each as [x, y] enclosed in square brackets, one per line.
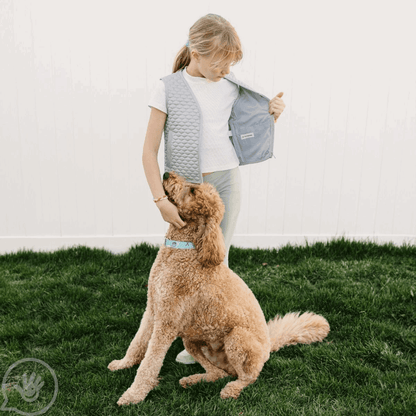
[276, 106]
[170, 213]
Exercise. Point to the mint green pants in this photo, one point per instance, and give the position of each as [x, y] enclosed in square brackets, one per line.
[228, 185]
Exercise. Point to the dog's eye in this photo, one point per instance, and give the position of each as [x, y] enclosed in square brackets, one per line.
[166, 193]
[192, 190]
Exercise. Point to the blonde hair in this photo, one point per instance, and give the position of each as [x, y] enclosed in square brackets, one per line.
[211, 35]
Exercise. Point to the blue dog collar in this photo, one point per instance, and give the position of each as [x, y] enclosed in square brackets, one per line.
[178, 244]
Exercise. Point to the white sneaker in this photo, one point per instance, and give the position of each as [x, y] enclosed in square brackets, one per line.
[185, 358]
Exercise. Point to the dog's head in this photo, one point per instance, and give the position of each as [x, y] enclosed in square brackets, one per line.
[202, 205]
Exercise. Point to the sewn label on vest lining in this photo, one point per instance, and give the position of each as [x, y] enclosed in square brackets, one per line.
[247, 136]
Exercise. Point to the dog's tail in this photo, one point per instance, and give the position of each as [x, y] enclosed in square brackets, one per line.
[294, 329]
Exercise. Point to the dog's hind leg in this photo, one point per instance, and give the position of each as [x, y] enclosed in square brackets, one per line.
[213, 372]
[138, 347]
[247, 356]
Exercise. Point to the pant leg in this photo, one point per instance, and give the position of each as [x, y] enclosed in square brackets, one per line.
[228, 185]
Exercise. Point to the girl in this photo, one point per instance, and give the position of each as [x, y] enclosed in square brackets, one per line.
[213, 46]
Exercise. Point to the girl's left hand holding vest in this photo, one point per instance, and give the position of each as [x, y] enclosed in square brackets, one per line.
[276, 106]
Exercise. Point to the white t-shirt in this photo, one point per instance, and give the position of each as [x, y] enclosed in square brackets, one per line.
[216, 100]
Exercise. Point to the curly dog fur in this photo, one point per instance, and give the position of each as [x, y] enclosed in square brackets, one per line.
[192, 294]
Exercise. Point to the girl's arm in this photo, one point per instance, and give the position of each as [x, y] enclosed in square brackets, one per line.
[151, 150]
[151, 166]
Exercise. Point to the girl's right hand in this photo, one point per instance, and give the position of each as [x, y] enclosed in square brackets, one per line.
[170, 213]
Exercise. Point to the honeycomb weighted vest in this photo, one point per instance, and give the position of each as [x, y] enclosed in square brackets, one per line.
[250, 123]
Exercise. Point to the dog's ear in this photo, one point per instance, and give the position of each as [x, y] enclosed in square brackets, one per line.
[209, 241]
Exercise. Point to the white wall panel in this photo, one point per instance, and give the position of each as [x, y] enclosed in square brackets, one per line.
[297, 155]
[317, 137]
[12, 197]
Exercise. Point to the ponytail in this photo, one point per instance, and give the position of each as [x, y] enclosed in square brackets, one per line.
[182, 59]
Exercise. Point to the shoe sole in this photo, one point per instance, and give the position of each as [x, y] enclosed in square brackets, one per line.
[185, 362]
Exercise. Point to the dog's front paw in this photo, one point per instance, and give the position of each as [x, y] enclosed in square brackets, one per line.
[130, 396]
[119, 364]
[231, 391]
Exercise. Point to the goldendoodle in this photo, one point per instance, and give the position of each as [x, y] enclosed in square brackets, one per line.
[192, 294]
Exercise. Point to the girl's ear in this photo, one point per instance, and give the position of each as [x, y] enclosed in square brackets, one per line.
[209, 242]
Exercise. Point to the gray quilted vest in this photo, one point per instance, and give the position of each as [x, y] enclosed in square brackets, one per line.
[251, 127]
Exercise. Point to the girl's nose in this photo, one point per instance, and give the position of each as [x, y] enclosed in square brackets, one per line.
[226, 72]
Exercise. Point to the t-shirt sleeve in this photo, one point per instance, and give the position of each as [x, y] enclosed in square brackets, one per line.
[158, 97]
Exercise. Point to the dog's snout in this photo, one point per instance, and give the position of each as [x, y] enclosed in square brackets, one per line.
[166, 176]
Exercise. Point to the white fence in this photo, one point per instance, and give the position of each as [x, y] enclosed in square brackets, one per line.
[75, 79]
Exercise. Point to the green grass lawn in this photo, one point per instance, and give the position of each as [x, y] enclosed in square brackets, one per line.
[78, 309]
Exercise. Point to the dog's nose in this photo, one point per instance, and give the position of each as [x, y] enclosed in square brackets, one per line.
[166, 175]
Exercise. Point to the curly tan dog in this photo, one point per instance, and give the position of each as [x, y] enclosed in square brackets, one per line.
[192, 294]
